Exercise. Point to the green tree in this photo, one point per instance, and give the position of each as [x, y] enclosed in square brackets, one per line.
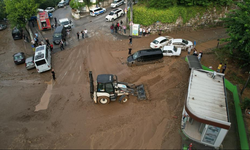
[2, 8]
[88, 3]
[19, 11]
[238, 28]
[75, 4]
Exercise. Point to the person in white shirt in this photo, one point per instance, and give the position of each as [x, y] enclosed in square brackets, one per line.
[140, 31]
[85, 33]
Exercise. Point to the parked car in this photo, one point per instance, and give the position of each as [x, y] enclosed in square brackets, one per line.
[117, 3]
[145, 56]
[180, 43]
[50, 9]
[66, 23]
[114, 14]
[97, 11]
[160, 42]
[171, 51]
[17, 33]
[59, 34]
[19, 58]
[29, 63]
[61, 4]
[3, 26]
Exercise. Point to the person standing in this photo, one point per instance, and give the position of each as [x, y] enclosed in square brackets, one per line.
[189, 50]
[61, 45]
[47, 41]
[124, 29]
[53, 74]
[36, 34]
[129, 50]
[85, 33]
[82, 34]
[115, 28]
[55, 20]
[77, 35]
[149, 30]
[199, 56]
[140, 31]
[130, 40]
[121, 22]
[143, 31]
[51, 47]
[224, 68]
[194, 44]
[219, 67]
[36, 41]
[112, 28]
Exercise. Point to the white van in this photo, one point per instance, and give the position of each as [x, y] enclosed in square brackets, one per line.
[97, 11]
[42, 58]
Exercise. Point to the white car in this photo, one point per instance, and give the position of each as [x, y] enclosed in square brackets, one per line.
[114, 14]
[50, 9]
[97, 11]
[117, 3]
[171, 51]
[181, 43]
[66, 23]
[160, 42]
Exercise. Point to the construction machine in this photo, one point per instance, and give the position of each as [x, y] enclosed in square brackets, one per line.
[109, 89]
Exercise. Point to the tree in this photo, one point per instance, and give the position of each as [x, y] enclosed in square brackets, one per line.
[19, 11]
[238, 29]
[75, 4]
[2, 12]
[88, 3]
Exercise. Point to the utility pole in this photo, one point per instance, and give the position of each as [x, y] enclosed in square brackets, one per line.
[131, 16]
[245, 84]
[126, 12]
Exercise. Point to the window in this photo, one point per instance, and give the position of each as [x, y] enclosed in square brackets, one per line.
[185, 41]
[100, 87]
[163, 40]
[109, 88]
[175, 49]
[41, 62]
[169, 51]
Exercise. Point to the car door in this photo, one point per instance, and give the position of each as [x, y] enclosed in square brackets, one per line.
[170, 53]
[165, 53]
[118, 13]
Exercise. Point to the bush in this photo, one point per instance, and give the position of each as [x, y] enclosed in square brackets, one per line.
[245, 104]
[147, 16]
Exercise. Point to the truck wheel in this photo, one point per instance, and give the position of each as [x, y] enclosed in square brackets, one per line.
[103, 100]
[124, 100]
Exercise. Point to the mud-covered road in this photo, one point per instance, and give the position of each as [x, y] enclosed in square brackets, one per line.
[36, 112]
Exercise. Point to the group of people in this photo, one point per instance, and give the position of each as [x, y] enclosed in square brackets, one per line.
[195, 52]
[84, 34]
[144, 32]
[36, 42]
[222, 67]
[118, 27]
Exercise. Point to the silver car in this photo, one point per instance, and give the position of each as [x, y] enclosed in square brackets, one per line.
[29, 63]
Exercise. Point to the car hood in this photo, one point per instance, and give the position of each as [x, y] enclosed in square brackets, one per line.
[56, 38]
[130, 58]
[108, 16]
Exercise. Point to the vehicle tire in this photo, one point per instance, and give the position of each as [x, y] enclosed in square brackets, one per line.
[124, 100]
[103, 100]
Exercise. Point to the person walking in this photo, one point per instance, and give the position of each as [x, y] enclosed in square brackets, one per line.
[130, 40]
[47, 41]
[61, 45]
[77, 35]
[124, 29]
[112, 28]
[224, 68]
[82, 34]
[53, 74]
[85, 33]
[219, 67]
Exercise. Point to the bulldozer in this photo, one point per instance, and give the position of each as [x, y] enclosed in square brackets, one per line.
[109, 89]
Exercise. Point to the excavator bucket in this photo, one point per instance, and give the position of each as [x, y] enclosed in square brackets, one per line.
[141, 93]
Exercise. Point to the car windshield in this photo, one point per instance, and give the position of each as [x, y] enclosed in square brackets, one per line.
[56, 35]
[185, 41]
[155, 41]
[135, 55]
[18, 57]
[111, 13]
[65, 22]
[175, 49]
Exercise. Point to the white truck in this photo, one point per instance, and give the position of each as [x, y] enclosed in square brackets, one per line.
[171, 51]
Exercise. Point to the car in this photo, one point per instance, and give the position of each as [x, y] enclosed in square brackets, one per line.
[181, 43]
[117, 3]
[61, 4]
[29, 63]
[160, 42]
[114, 14]
[66, 23]
[97, 11]
[40, 10]
[19, 58]
[171, 51]
[17, 33]
[50, 9]
[3, 26]
[59, 34]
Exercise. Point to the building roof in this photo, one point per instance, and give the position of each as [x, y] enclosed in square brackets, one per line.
[207, 97]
